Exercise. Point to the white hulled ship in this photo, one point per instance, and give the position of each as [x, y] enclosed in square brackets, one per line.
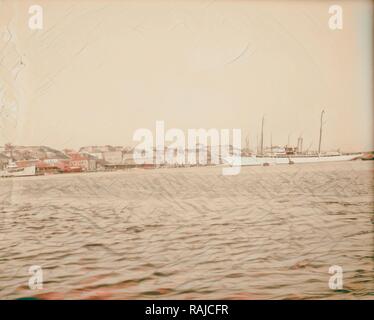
[289, 155]
[256, 160]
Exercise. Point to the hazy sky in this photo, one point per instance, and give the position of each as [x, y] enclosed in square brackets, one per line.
[99, 70]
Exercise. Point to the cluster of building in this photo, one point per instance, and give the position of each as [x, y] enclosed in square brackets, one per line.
[92, 158]
[48, 160]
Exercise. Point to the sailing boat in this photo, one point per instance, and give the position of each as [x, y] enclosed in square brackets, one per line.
[290, 155]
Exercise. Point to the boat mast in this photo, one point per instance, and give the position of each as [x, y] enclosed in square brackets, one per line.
[247, 144]
[262, 136]
[271, 143]
[320, 133]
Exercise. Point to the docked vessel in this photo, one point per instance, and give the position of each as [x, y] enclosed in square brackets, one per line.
[292, 159]
[290, 155]
[12, 170]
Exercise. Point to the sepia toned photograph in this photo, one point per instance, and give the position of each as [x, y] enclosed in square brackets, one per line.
[186, 150]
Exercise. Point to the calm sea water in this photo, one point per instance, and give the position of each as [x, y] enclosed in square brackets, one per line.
[269, 232]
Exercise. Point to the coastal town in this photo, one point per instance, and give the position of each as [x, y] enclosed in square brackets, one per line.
[43, 160]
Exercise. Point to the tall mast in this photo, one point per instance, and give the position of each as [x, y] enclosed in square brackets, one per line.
[320, 133]
[247, 144]
[262, 135]
[271, 143]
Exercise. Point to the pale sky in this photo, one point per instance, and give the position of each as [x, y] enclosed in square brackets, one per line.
[99, 70]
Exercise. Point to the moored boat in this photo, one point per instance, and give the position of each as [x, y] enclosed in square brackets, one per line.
[290, 155]
[293, 159]
[12, 170]
[368, 156]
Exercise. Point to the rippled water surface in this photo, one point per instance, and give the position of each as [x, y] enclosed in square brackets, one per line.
[269, 232]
